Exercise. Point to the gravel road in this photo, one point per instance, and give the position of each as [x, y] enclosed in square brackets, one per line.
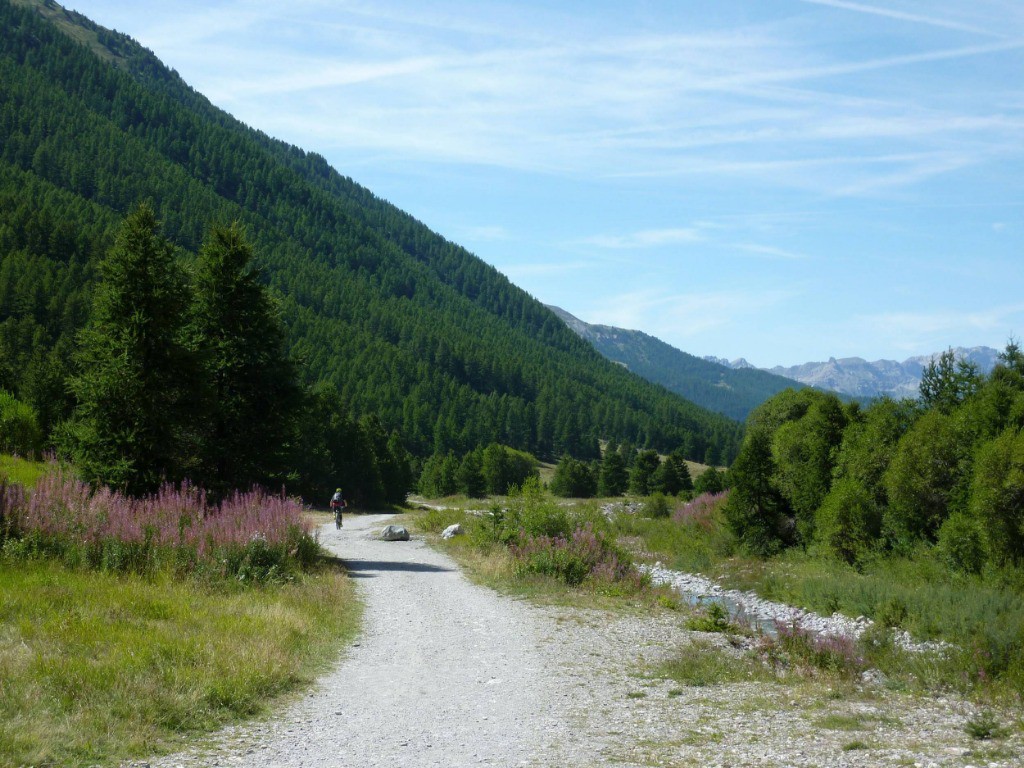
[449, 674]
[445, 673]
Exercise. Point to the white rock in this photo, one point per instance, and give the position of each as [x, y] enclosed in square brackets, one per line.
[394, 533]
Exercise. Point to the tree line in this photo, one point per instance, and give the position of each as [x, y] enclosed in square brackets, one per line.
[621, 469]
[182, 372]
[945, 471]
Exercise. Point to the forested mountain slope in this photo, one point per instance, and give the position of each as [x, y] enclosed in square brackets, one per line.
[403, 323]
[734, 393]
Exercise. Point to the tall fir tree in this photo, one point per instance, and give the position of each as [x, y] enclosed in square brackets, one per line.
[251, 397]
[614, 477]
[131, 427]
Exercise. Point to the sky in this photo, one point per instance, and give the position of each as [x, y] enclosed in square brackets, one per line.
[780, 180]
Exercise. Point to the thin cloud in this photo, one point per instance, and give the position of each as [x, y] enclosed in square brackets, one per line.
[933, 21]
[677, 316]
[770, 251]
[491, 233]
[917, 327]
[648, 238]
[501, 90]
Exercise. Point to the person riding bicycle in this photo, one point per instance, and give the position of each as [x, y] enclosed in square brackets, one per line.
[337, 504]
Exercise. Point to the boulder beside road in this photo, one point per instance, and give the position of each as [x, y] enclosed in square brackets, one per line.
[394, 533]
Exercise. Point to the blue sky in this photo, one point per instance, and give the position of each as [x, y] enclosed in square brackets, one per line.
[783, 180]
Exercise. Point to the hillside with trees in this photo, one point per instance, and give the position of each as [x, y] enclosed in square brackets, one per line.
[731, 392]
[397, 336]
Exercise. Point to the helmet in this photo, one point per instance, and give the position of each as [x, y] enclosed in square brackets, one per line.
[337, 490]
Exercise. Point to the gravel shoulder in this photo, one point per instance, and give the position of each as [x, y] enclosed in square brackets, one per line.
[447, 673]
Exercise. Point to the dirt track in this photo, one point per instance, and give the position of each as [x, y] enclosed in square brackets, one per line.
[445, 673]
[449, 674]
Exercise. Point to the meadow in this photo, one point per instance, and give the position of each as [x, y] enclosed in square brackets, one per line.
[129, 626]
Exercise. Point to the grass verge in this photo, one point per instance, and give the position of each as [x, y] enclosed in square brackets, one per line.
[541, 550]
[97, 668]
[982, 617]
[22, 471]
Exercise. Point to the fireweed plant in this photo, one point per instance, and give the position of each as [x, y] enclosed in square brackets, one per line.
[247, 536]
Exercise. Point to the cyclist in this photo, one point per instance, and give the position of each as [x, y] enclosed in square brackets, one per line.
[337, 504]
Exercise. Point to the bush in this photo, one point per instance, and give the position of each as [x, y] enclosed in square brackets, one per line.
[702, 510]
[962, 545]
[584, 554]
[656, 506]
[532, 513]
[19, 427]
[848, 522]
[997, 495]
[714, 619]
[573, 479]
[545, 539]
[828, 653]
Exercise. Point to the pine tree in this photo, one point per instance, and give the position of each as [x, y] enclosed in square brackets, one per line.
[131, 427]
[614, 479]
[642, 474]
[251, 397]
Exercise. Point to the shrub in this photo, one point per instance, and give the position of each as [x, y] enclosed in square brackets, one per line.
[829, 653]
[962, 545]
[545, 539]
[984, 725]
[848, 521]
[714, 619]
[573, 479]
[891, 614]
[920, 480]
[997, 495]
[657, 505]
[532, 513]
[19, 427]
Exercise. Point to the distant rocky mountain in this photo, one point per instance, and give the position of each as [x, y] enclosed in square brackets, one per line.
[733, 389]
[857, 377]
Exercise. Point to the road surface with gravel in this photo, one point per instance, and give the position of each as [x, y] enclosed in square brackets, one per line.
[446, 673]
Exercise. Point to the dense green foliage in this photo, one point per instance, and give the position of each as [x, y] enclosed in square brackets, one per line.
[405, 326]
[138, 381]
[574, 479]
[247, 384]
[496, 470]
[543, 540]
[19, 427]
[852, 483]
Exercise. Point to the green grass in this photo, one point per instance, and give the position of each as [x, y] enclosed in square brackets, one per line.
[492, 565]
[702, 664]
[97, 668]
[840, 722]
[983, 616]
[22, 471]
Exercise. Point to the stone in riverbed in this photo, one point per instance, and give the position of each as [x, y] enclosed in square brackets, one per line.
[394, 533]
